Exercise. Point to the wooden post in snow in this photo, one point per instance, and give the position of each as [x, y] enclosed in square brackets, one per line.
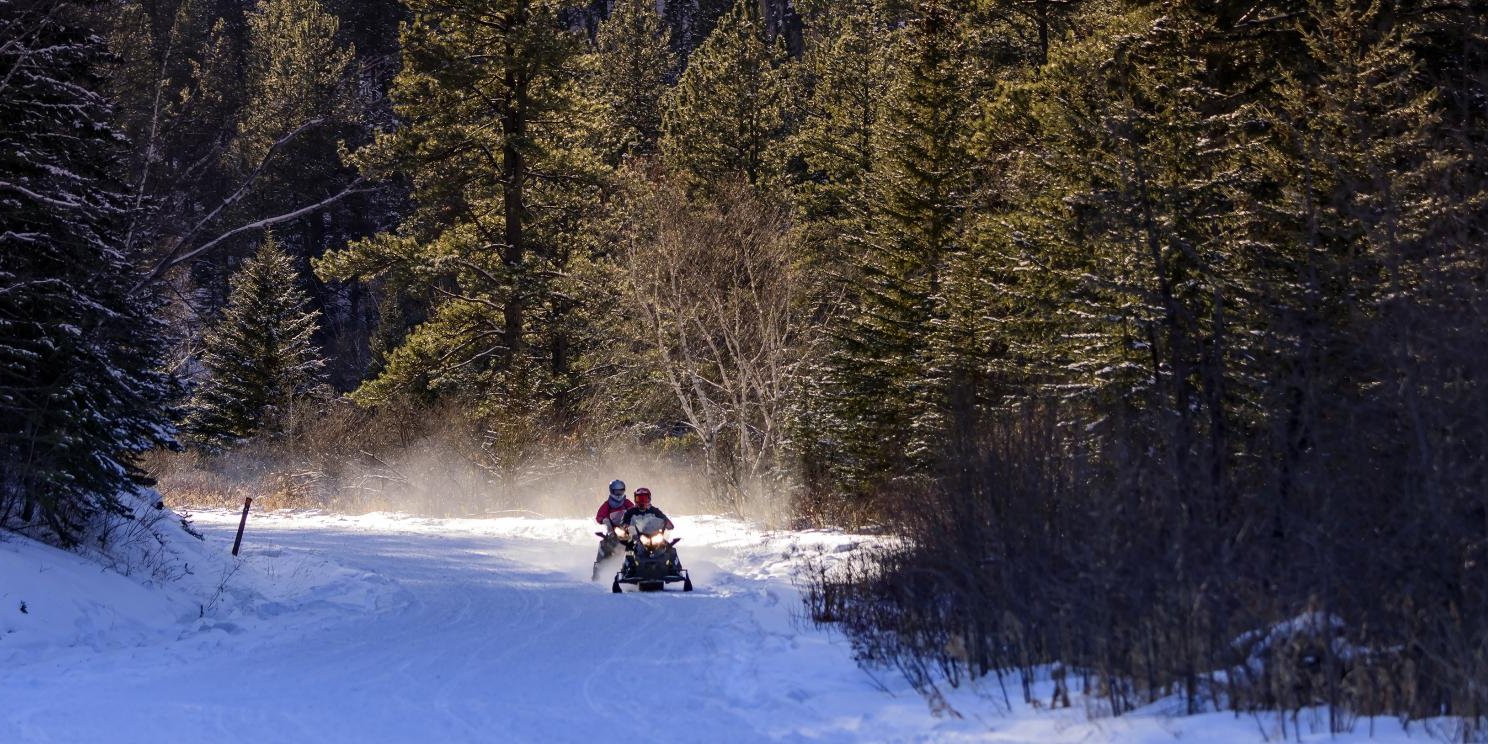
[247, 501]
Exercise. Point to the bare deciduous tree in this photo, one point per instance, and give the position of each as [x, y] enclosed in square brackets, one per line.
[721, 295]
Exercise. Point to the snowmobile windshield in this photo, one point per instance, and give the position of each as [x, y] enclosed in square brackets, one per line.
[648, 524]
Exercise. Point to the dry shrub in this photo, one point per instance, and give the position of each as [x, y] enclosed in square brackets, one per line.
[334, 456]
[1041, 548]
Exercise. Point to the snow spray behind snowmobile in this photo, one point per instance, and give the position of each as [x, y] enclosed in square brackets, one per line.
[651, 560]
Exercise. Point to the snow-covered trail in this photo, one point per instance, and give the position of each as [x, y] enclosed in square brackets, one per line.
[464, 631]
[388, 628]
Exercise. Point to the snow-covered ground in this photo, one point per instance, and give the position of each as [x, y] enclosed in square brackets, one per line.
[389, 628]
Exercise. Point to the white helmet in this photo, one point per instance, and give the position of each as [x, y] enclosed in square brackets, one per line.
[617, 487]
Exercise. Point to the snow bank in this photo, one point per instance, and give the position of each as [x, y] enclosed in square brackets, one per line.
[51, 598]
[155, 579]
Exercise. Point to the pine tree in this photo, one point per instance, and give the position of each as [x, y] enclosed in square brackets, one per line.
[887, 408]
[1113, 293]
[849, 66]
[842, 79]
[294, 74]
[260, 359]
[1348, 152]
[1114, 229]
[495, 149]
[633, 63]
[179, 92]
[724, 117]
[1360, 267]
[79, 348]
[690, 23]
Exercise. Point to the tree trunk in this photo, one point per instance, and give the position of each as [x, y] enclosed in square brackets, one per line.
[514, 174]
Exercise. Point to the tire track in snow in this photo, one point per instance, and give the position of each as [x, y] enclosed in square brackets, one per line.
[617, 652]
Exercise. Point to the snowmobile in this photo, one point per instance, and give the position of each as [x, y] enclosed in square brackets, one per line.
[616, 540]
[651, 560]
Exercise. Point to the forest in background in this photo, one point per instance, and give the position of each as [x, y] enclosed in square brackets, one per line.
[1152, 329]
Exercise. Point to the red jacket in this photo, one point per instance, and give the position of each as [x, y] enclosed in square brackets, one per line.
[613, 516]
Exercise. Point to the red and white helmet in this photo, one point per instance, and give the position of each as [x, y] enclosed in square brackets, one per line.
[642, 497]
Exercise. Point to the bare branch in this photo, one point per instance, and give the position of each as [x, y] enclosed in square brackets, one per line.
[178, 257]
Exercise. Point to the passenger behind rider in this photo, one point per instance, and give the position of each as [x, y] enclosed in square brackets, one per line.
[643, 507]
[611, 514]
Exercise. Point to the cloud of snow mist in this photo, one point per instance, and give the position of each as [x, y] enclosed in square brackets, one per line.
[676, 487]
[449, 472]
[434, 478]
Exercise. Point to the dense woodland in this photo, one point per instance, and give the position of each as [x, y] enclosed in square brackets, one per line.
[1150, 331]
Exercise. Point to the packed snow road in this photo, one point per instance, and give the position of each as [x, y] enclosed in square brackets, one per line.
[465, 630]
[397, 629]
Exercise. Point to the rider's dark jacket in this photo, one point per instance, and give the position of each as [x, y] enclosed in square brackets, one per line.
[637, 511]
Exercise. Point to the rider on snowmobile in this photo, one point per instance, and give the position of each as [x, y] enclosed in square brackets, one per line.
[611, 514]
[643, 506]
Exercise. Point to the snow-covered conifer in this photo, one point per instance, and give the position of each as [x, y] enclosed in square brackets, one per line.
[79, 346]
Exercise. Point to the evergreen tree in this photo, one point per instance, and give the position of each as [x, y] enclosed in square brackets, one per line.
[633, 63]
[494, 150]
[79, 349]
[845, 74]
[238, 112]
[1351, 247]
[849, 66]
[1118, 295]
[178, 87]
[887, 409]
[260, 358]
[295, 72]
[690, 23]
[725, 116]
